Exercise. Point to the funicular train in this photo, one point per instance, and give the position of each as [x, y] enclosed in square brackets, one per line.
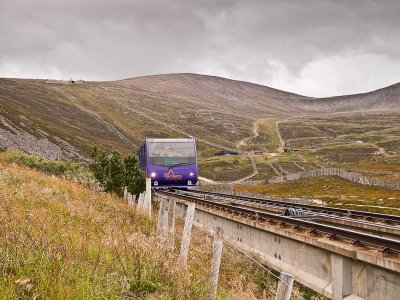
[170, 163]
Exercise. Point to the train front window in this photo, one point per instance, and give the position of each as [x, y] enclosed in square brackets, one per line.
[171, 154]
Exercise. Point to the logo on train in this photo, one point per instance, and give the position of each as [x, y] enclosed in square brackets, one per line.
[170, 175]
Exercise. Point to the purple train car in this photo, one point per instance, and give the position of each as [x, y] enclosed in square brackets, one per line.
[169, 162]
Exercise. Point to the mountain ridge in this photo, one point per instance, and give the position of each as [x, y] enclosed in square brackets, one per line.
[38, 115]
[301, 102]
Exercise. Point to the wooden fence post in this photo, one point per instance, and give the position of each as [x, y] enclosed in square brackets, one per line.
[164, 219]
[129, 197]
[160, 209]
[187, 230]
[285, 286]
[147, 198]
[125, 192]
[216, 262]
[171, 223]
[140, 201]
[162, 224]
[141, 207]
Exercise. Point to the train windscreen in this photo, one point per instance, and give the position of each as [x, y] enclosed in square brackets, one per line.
[171, 154]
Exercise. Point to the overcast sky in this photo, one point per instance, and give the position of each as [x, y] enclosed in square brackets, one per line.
[314, 47]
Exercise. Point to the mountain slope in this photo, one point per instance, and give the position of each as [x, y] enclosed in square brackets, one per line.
[41, 119]
[121, 114]
[381, 100]
[63, 120]
[214, 93]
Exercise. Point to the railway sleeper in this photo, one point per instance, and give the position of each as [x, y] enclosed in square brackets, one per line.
[386, 252]
[355, 243]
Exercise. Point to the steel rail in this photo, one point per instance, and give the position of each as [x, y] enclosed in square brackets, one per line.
[384, 244]
[328, 210]
[382, 228]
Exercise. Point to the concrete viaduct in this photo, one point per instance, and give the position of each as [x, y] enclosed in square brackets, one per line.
[333, 268]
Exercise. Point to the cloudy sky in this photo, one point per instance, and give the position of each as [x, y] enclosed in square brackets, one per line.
[311, 47]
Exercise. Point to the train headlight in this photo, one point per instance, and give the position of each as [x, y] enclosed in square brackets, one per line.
[189, 182]
[191, 174]
[153, 174]
[155, 182]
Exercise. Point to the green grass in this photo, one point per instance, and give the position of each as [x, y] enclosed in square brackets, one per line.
[333, 191]
[265, 137]
[291, 130]
[269, 135]
[225, 168]
[65, 169]
[265, 168]
[347, 153]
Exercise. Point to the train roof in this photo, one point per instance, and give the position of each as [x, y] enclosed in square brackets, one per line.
[169, 140]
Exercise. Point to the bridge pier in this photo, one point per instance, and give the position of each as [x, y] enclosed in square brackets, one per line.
[341, 272]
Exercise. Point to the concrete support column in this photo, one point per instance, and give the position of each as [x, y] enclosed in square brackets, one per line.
[341, 271]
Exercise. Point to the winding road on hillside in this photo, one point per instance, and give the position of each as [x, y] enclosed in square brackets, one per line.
[282, 143]
[256, 133]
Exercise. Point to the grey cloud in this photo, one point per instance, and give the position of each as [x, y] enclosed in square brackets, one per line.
[282, 43]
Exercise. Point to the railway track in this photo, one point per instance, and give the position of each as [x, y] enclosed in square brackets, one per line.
[368, 237]
[382, 229]
[363, 215]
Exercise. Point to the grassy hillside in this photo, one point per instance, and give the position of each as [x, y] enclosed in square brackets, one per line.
[60, 120]
[224, 168]
[59, 239]
[75, 171]
[334, 191]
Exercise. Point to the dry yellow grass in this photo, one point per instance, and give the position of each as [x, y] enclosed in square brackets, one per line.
[60, 240]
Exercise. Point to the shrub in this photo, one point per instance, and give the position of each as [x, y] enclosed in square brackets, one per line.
[65, 169]
[115, 172]
[135, 179]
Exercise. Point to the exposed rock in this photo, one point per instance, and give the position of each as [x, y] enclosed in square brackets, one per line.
[13, 137]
